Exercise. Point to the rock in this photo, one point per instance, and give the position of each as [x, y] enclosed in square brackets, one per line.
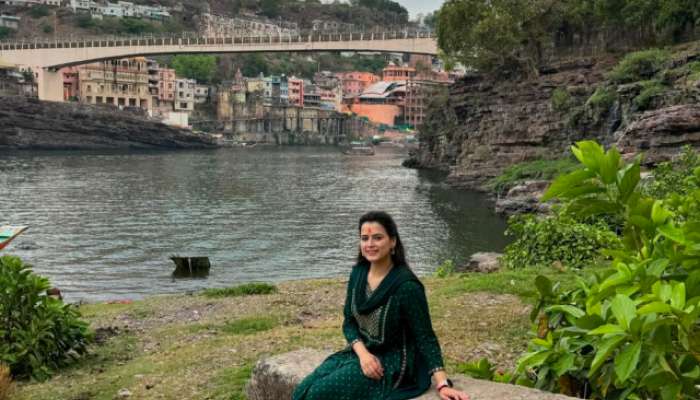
[661, 133]
[482, 262]
[275, 378]
[33, 124]
[123, 393]
[523, 198]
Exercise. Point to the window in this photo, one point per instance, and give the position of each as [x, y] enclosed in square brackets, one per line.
[89, 88]
[183, 105]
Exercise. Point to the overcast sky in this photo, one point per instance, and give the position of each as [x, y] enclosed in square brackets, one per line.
[420, 6]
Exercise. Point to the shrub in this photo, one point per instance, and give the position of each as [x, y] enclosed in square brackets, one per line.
[242, 290]
[445, 269]
[561, 100]
[694, 70]
[247, 326]
[650, 90]
[483, 369]
[85, 21]
[602, 99]
[46, 28]
[631, 330]
[675, 176]
[6, 32]
[546, 240]
[640, 65]
[6, 385]
[535, 169]
[39, 333]
[39, 11]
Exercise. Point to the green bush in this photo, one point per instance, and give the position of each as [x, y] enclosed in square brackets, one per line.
[602, 99]
[639, 66]
[561, 100]
[650, 91]
[39, 11]
[85, 21]
[447, 268]
[242, 290]
[542, 241]
[483, 369]
[631, 330]
[675, 176]
[6, 32]
[46, 28]
[535, 169]
[39, 333]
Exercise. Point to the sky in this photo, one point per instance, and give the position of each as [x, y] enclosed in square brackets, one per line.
[420, 6]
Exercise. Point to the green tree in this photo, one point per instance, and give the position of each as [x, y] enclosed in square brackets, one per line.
[199, 67]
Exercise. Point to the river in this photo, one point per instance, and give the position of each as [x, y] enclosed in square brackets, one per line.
[104, 224]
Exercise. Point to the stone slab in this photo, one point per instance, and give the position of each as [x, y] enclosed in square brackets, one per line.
[275, 378]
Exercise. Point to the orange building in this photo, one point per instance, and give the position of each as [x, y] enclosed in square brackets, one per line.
[395, 73]
[295, 90]
[354, 83]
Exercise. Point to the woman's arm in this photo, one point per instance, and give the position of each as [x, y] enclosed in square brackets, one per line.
[350, 328]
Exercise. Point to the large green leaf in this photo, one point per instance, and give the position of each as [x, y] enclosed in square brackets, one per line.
[607, 329]
[609, 165]
[627, 360]
[655, 307]
[603, 351]
[571, 310]
[590, 154]
[624, 310]
[567, 182]
[628, 181]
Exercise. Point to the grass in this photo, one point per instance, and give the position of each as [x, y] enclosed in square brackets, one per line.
[535, 169]
[650, 90]
[201, 347]
[242, 290]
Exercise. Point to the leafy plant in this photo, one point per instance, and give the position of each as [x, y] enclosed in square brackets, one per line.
[601, 100]
[242, 290]
[46, 28]
[543, 241]
[639, 66]
[561, 100]
[38, 11]
[675, 176]
[39, 333]
[650, 90]
[535, 169]
[632, 330]
[445, 269]
[483, 369]
[6, 32]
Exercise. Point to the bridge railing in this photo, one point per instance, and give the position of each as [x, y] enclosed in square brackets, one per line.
[192, 38]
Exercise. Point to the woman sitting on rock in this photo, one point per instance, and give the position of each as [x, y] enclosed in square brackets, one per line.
[392, 351]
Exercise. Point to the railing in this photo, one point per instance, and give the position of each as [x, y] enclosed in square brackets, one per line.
[189, 39]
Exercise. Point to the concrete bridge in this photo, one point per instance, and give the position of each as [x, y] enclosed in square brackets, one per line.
[46, 56]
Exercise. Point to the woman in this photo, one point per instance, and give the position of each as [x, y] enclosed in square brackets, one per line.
[392, 350]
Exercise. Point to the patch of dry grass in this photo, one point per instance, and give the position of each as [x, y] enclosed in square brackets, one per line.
[6, 384]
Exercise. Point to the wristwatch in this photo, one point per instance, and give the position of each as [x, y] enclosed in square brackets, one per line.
[445, 383]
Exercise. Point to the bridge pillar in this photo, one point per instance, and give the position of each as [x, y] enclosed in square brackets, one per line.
[50, 85]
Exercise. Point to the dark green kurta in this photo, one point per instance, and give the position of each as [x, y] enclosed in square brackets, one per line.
[398, 332]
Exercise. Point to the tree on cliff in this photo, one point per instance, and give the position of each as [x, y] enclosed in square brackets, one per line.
[199, 67]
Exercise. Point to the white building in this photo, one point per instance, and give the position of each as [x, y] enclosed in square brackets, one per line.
[184, 94]
[9, 21]
[201, 94]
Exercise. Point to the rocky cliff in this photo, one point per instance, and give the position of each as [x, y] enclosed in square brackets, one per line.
[485, 124]
[32, 124]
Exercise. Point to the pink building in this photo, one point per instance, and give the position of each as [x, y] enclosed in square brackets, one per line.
[166, 85]
[354, 83]
[71, 83]
[296, 91]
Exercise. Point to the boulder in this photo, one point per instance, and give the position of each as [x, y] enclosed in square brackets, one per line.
[482, 262]
[523, 198]
[275, 378]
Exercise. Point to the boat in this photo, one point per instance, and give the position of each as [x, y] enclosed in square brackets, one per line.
[8, 233]
[359, 149]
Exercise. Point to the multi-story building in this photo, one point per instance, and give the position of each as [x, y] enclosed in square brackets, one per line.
[29, 3]
[166, 86]
[122, 83]
[394, 72]
[312, 95]
[218, 25]
[184, 94]
[320, 25]
[9, 21]
[296, 91]
[354, 83]
[71, 83]
[201, 94]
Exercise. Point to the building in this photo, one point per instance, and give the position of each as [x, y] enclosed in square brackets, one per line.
[30, 3]
[382, 102]
[272, 91]
[212, 25]
[393, 72]
[166, 85]
[354, 83]
[9, 21]
[312, 95]
[201, 94]
[71, 83]
[122, 83]
[296, 91]
[320, 25]
[184, 94]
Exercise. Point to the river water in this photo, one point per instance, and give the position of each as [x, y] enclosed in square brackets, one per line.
[103, 225]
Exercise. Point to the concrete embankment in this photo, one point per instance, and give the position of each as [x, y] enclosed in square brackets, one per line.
[31, 124]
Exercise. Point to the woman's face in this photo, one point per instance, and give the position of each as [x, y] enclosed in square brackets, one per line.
[375, 243]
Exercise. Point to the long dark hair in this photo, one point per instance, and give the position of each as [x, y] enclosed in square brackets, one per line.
[385, 220]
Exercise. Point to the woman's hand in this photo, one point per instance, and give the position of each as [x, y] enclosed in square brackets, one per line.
[448, 393]
[371, 366]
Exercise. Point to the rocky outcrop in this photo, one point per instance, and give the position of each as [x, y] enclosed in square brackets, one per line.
[275, 378]
[485, 262]
[523, 198]
[486, 124]
[660, 133]
[27, 123]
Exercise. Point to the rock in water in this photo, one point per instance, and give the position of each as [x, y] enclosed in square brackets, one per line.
[482, 262]
[275, 378]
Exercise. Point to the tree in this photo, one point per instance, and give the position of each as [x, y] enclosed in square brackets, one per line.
[199, 67]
